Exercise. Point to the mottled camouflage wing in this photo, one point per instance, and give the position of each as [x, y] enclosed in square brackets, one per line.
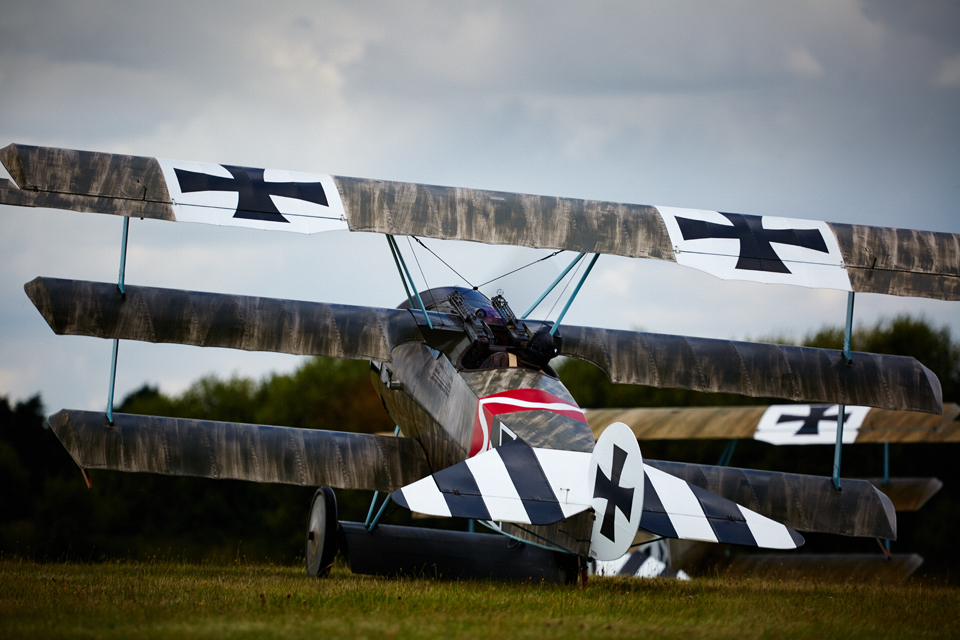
[801, 374]
[228, 450]
[149, 314]
[900, 262]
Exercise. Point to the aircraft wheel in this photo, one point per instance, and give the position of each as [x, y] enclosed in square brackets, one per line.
[322, 533]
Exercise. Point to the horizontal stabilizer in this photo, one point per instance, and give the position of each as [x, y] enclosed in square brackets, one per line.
[768, 249]
[804, 503]
[673, 508]
[520, 484]
[149, 314]
[801, 374]
[511, 483]
[229, 450]
[792, 424]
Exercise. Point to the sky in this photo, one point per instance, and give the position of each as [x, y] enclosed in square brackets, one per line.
[832, 110]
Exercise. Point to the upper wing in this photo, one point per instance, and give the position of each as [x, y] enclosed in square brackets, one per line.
[755, 369]
[150, 314]
[228, 450]
[730, 246]
[782, 424]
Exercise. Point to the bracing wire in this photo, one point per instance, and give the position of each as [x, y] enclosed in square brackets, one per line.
[420, 242]
[559, 251]
[427, 284]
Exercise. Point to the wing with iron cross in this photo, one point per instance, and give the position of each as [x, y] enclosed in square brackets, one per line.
[731, 246]
[784, 424]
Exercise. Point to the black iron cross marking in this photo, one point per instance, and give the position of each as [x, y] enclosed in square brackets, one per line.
[254, 202]
[756, 254]
[811, 423]
[617, 497]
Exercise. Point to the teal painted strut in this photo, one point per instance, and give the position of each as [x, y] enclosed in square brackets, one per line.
[399, 255]
[573, 295]
[552, 286]
[847, 330]
[116, 342]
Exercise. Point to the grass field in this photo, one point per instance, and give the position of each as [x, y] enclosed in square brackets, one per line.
[167, 600]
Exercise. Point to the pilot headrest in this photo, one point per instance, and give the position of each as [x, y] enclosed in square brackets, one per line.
[543, 344]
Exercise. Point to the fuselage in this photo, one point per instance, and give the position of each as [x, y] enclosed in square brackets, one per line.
[456, 406]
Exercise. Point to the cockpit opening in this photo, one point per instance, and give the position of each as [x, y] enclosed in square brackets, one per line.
[496, 338]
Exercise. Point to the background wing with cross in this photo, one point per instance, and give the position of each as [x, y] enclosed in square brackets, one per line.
[783, 424]
[732, 246]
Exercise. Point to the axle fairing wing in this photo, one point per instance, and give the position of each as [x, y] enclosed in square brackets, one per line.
[731, 246]
[307, 328]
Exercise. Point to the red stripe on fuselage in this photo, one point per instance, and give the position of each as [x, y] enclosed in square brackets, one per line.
[513, 401]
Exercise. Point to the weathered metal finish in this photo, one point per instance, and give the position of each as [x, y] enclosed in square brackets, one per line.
[805, 503]
[86, 181]
[802, 374]
[691, 423]
[76, 307]
[908, 494]
[901, 262]
[431, 402]
[227, 450]
[495, 217]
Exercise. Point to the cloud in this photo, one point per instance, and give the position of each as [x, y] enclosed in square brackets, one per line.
[948, 75]
[802, 63]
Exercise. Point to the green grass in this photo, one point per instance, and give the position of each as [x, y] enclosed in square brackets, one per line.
[167, 600]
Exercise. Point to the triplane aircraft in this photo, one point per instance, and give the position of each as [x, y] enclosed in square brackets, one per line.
[490, 431]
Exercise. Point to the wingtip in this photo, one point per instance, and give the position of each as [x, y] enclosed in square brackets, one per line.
[10, 158]
[935, 389]
[796, 537]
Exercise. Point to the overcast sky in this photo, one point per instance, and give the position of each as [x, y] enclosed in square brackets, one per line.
[832, 110]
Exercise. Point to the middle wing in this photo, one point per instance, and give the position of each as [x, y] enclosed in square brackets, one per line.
[73, 307]
[755, 369]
